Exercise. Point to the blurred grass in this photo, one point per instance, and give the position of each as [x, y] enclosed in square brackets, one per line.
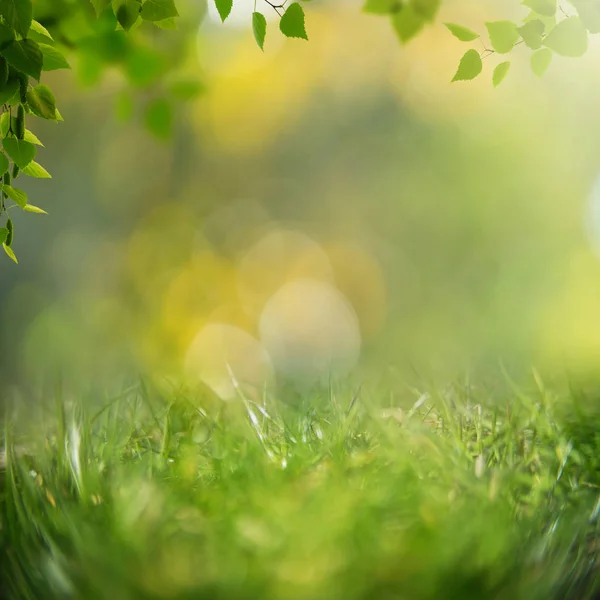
[158, 494]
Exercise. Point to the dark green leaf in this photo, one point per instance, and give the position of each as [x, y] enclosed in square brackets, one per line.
[470, 66]
[292, 22]
[3, 163]
[3, 234]
[8, 91]
[53, 59]
[503, 35]
[20, 151]
[127, 12]
[158, 10]
[568, 38]
[464, 34]
[17, 14]
[7, 35]
[224, 7]
[25, 56]
[259, 27]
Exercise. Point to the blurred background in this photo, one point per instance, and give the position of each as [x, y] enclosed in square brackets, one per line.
[335, 206]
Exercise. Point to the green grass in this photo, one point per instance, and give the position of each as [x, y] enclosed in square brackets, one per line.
[162, 495]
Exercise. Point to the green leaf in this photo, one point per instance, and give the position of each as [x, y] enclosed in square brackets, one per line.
[42, 103]
[17, 14]
[503, 35]
[532, 33]
[34, 209]
[16, 195]
[100, 5]
[464, 34]
[542, 7]
[20, 151]
[32, 138]
[159, 118]
[36, 170]
[259, 27]
[407, 23]
[500, 72]
[382, 7]
[427, 9]
[589, 13]
[25, 56]
[3, 164]
[568, 38]
[292, 22]
[40, 31]
[470, 66]
[127, 12]
[10, 253]
[8, 91]
[166, 24]
[224, 8]
[540, 61]
[3, 234]
[7, 35]
[53, 59]
[158, 10]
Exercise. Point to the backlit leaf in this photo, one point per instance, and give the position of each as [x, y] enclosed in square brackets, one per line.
[470, 66]
[464, 34]
[407, 23]
[568, 38]
[36, 170]
[34, 209]
[10, 253]
[500, 72]
[16, 195]
[540, 61]
[532, 33]
[503, 35]
[542, 7]
[53, 58]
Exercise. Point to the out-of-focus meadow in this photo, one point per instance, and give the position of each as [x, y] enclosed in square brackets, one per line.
[335, 206]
